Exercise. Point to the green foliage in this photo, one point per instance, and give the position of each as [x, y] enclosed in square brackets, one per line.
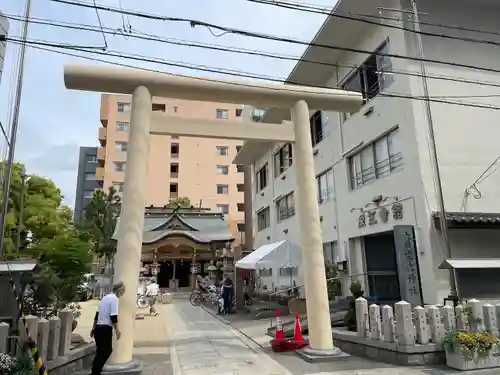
[332, 283]
[182, 202]
[350, 316]
[49, 236]
[100, 218]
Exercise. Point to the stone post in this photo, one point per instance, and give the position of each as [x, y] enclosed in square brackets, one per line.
[375, 323]
[320, 329]
[405, 330]
[421, 326]
[362, 317]
[130, 231]
[66, 316]
[448, 317]
[388, 323]
[461, 317]
[42, 340]
[490, 319]
[54, 334]
[436, 326]
[475, 318]
[4, 334]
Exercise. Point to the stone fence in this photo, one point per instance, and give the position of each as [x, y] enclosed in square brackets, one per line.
[53, 339]
[405, 325]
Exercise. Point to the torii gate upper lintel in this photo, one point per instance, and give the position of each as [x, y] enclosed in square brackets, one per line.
[142, 85]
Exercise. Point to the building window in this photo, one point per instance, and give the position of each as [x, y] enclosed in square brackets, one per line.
[222, 150]
[325, 186]
[118, 186]
[89, 176]
[257, 114]
[241, 207]
[174, 170]
[283, 159]
[174, 190]
[238, 112]
[316, 126]
[91, 158]
[222, 169]
[238, 148]
[222, 189]
[263, 219]
[285, 207]
[123, 126]
[88, 194]
[157, 107]
[121, 146]
[374, 75]
[261, 178]
[223, 208]
[241, 227]
[123, 107]
[119, 166]
[289, 271]
[376, 160]
[222, 113]
[240, 168]
[330, 251]
[174, 150]
[240, 187]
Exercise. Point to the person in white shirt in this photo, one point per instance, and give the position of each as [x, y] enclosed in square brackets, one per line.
[106, 318]
[152, 292]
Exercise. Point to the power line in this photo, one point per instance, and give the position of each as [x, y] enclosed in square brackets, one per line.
[204, 68]
[424, 23]
[100, 24]
[228, 30]
[128, 33]
[330, 13]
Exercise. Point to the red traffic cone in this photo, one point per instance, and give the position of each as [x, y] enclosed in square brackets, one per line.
[278, 343]
[298, 339]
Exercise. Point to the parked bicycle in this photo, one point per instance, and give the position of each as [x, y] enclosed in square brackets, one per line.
[143, 301]
[197, 298]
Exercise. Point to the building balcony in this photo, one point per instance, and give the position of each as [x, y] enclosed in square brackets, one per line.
[103, 134]
[101, 155]
[104, 111]
[99, 173]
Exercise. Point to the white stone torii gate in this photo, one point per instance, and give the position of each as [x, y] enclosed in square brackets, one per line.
[143, 85]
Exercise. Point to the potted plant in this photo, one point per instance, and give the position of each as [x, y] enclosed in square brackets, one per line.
[471, 350]
[16, 366]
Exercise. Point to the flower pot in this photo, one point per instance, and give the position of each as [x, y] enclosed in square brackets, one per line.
[463, 363]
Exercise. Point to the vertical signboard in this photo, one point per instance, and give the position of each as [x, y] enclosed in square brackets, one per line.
[407, 259]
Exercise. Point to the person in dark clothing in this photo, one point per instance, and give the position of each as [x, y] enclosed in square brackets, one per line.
[227, 293]
[106, 318]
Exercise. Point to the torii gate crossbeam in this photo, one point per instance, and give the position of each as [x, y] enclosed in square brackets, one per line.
[143, 85]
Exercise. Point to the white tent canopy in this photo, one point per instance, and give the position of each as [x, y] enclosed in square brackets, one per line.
[273, 255]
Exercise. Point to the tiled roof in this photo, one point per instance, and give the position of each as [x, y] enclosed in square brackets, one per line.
[471, 217]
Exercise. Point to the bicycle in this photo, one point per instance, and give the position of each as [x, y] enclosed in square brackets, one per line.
[197, 298]
[143, 301]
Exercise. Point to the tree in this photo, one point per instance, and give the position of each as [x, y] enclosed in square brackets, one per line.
[182, 202]
[100, 218]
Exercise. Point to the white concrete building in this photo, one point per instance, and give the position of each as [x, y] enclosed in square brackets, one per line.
[376, 182]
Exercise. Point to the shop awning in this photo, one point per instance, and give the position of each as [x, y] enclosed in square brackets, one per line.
[450, 264]
[277, 254]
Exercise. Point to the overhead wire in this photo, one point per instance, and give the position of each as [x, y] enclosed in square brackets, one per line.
[234, 73]
[101, 26]
[127, 33]
[330, 13]
[229, 30]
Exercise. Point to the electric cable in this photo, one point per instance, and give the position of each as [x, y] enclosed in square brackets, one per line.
[100, 24]
[204, 68]
[229, 30]
[127, 33]
[330, 13]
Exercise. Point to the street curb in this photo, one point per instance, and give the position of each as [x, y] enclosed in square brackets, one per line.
[215, 315]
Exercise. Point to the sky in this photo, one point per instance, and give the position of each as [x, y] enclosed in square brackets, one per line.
[55, 122]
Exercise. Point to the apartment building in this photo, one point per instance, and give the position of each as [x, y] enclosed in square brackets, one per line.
[199, 169]
[86, 181]
[4, 30]
[376, 182]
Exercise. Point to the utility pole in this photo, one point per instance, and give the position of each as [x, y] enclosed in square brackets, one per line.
[14, 127]
[20, 224]
[414, 15]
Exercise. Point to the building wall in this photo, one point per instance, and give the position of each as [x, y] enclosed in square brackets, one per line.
[465, 151]
[197, 158]
[86, 182]
[4, 29]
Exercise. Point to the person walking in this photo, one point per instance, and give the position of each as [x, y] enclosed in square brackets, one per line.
[152, 292]
[106, 318]
[227, 293]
